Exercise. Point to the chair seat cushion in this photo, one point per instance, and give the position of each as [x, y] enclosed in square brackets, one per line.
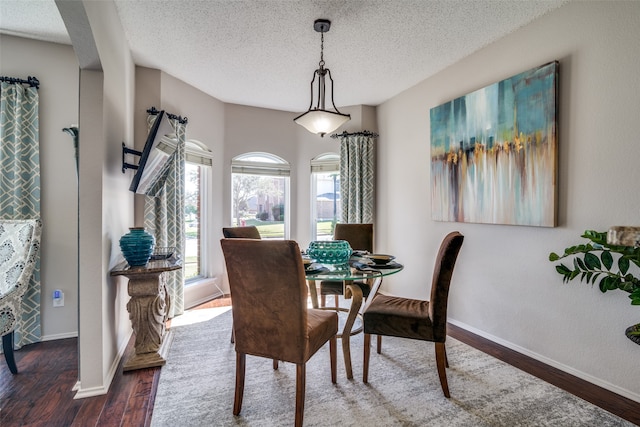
[321, 326]
[399, 317]
[328, 287]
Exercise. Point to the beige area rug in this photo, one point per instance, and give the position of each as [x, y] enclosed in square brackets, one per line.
[196, 387]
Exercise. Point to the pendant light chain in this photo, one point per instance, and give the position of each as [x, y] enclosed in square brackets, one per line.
[321, 63]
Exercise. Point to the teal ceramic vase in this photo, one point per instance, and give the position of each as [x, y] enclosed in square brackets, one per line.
[137, 246]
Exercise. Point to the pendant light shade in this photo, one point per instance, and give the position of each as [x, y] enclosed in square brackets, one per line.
[321, 121]
[317, 119]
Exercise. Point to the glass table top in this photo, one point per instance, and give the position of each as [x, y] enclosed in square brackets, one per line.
[358, 268]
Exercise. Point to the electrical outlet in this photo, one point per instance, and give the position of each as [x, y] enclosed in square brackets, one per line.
[58, 298]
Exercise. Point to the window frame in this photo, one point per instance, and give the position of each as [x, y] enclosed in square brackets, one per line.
[265, 164]
[322, 163]
[204, 286]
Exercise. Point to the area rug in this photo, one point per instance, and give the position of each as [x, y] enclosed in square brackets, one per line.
[196, 387]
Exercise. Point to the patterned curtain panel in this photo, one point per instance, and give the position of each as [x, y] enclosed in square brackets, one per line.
[20, 185]
[357, 177]
[164, 215]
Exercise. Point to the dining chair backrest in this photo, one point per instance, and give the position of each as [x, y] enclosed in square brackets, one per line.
[359, 236]
[247, 232]
[442, 272]
[269, 321]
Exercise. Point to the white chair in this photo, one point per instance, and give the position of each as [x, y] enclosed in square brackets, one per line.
[19, 246]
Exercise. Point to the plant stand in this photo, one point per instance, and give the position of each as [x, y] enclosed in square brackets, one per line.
[633, 333]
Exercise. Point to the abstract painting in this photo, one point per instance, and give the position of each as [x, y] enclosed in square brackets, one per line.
[494, 152]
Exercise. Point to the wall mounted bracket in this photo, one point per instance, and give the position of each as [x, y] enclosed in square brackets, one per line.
[125, 151]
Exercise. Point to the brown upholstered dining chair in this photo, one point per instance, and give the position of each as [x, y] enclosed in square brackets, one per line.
[416, 319]
[247, 232]
[360, 238]
[244, 232]
[270, 314]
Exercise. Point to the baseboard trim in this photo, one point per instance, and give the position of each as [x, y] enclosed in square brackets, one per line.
[550, 362]
[618, 404]
[59, 336]
[103, 389]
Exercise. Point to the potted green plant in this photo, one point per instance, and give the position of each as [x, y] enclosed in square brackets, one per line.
[610, 266]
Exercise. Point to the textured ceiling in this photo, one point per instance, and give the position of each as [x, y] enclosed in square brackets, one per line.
[263, 52]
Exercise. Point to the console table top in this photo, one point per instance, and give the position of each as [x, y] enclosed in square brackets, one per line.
[155, 266]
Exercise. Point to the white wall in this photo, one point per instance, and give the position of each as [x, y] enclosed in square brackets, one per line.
[504, 287]
[106, 205]
[56, 67]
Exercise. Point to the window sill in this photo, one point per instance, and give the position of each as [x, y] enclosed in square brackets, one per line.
[200, 291]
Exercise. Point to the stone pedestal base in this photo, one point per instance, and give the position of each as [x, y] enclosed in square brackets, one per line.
[148, 310]
[153, 359]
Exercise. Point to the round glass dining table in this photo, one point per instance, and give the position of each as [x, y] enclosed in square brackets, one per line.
[357, 270]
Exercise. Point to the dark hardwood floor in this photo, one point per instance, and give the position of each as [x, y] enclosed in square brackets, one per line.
[41, 394]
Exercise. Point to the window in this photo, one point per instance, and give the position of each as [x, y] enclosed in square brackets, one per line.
[325, 195]
[260, 194]
[197, 176]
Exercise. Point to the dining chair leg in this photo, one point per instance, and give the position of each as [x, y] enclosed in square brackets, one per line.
[7, 347]
[333, 344]
[275, 364]
[323, 300]
[379, 344]
[365, 362]
[300, 386]
[446, 358]
[337, 300]
[440, 363]
[240, 368]
[233, 335]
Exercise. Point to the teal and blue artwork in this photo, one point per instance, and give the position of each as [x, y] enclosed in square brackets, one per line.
[494, 152]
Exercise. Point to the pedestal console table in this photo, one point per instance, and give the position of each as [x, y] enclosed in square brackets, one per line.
[148, 309]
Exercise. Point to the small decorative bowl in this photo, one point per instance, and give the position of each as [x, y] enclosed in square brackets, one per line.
[162, 253]
[380, 258]
[330, 251]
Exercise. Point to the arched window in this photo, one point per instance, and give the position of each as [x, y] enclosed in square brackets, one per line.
[325, 195]
[260, 193]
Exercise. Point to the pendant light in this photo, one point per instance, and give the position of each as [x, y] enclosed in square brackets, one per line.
[317, 119]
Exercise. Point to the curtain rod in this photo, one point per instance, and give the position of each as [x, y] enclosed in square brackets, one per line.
[180, 119]
[32, 81]
[363, 133]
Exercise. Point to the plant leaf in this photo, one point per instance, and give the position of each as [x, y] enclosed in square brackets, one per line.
[574, 273]
[563, 269]
[610, 283]
[607, 259]
[623, 265]
[592, 261]
[603, 284]
[553, 257]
